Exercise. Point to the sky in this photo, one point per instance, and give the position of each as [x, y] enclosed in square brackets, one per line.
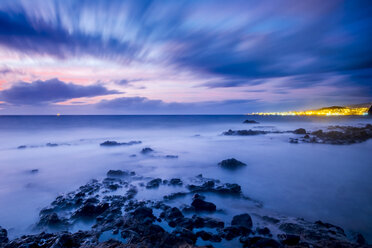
[183, 57]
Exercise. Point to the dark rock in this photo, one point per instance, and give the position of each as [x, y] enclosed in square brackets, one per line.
[198, 196]
[359, 238]
[370, 111]
[171, 156]
[143, 213]
[51, 220]
[293, 141]
[306, 136]
[231, 232]
[3, 236]
[250, 122]
[330, 226]
[244, 132]
[147, 150]
[231, 163]
[175, 181]
[22, 147]
[263, 231]
[51, 144]
[171, 214]
[259, 242]
[292, 228]
[204, 235]
[90, 210]
[270, 219]
[175, 195]
[243, 220]
[229, 188]
[289, 239]
[33, 171]
[117, 173]
[201, 205]
[154, 183]
[299, 131]
[114, 143]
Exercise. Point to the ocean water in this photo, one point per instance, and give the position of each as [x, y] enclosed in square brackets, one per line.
[311, 181]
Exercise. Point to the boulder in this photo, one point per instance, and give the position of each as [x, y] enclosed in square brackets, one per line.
[289, 239]
[243, 220]
[231, 163]
[299, 131]
[201, 205]
[3, 236]
[146, 150]
[154, 183]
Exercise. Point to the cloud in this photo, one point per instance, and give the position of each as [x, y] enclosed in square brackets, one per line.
[49, 91]
[143, 105]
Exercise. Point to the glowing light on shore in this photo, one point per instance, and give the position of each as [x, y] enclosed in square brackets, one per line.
[331, 111]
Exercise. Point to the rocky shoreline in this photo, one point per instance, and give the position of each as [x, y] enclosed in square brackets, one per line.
[111, 208]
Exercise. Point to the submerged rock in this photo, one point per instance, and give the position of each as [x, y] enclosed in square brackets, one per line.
[201, 205]
[175, 181]
[171, 156]
[22, 147]
[250, 122]
[289, 239]
[119, 173]
[51, 144]
[231, 163]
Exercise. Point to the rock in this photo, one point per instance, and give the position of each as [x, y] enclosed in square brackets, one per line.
[198, 196]
[3, 236]
[289, 239]
[243, 220]
[90, 210]
[228, 188]
[292, 228]
[244, 132]
[204, 235]
[259, 242]
[171, 156]
[22, 147]
[370, 111]
[201, 205]
[143, 213]
[33, 171]
[299, 131]
[171, 214]
[114, 143]
[293, 141]
[359, 237]
[147, 150]
[270, 219]
[154, 183]
[51, 220]
[263, 231]
[51, 144]
[250, 122]
[175, 181]
[117, 173]
[231, 163]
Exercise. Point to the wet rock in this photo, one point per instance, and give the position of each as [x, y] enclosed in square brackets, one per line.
[204, 235]
[263, 231]
[171, 214]
[34, 171]
[198, 196]
[154, 183]
[250, 122]
[22, 147]
[51, 220]
[359, 239]
[243, 220]
[115, 143]
[289, 239]
[244, 132]
[175, 181]
[228, 188]
[336, 229]
[201, 205]
[175, 195]
[143, 214]
[259, 242]
[3, 236]
[299, 131]
[119, 173]
[51, 144]
[231, 232]
[293, 141]
[171, 156]
[292, 228]
[90, 210]
[231, 163]
[270, 219]
[147, 150]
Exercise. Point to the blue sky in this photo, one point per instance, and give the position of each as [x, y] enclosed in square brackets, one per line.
[192, 57]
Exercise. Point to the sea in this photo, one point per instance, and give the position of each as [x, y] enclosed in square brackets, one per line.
[44, 156]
